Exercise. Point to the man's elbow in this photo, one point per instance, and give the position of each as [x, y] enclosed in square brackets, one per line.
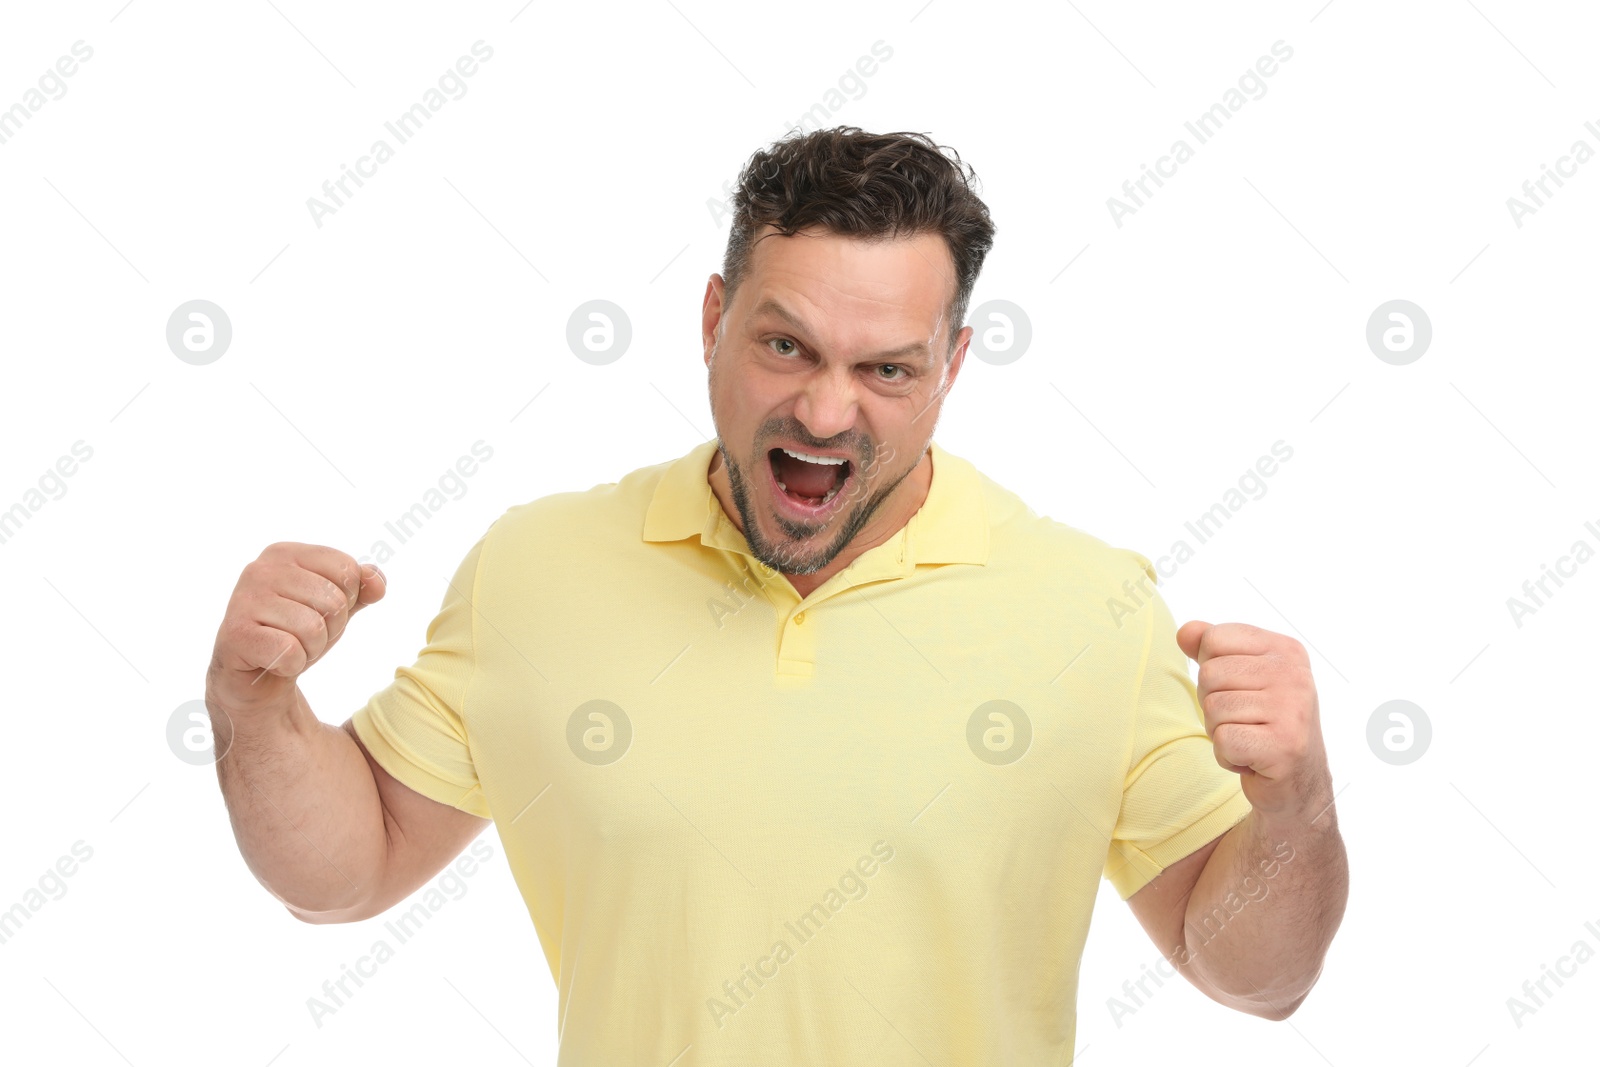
[1273, 1005]
[1271, 1010]
[325, 918]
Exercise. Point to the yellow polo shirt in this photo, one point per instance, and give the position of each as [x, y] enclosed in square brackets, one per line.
[862, 827]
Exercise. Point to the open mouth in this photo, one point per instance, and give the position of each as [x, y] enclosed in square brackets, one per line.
[809, 484]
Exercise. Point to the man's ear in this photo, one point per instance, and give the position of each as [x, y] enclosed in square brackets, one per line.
[963, 339]
[711, 315]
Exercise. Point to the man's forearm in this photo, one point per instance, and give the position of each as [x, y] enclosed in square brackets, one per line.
[304, 807]
[1265, 908]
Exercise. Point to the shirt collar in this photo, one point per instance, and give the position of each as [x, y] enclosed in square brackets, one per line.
[950, 527]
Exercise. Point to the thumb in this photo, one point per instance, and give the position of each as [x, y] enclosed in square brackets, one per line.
[373, 586]
[1189, 635]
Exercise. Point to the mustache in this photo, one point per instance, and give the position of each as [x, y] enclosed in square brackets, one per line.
[793, 431]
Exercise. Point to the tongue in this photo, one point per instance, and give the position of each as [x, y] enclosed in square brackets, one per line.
[802, 478]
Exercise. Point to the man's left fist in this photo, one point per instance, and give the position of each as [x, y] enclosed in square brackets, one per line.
[1260, 706]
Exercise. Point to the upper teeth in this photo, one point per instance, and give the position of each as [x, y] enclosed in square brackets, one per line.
[830, 460]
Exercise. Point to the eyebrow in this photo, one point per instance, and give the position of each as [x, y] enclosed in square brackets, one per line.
[911, 348]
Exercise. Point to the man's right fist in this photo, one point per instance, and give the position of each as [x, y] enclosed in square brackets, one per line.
[290, 606]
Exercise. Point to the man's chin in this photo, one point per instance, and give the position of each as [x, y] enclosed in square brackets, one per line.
[797, 563]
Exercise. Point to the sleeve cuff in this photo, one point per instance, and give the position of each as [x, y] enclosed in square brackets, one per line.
[408, 772]
[1130, 869]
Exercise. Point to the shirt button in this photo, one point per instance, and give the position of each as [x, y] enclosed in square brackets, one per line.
[800, 618]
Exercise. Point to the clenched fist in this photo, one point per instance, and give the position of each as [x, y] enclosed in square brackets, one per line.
[290, 606]
[1261, 713]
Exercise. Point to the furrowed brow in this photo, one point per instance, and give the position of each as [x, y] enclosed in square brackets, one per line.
[910, 348]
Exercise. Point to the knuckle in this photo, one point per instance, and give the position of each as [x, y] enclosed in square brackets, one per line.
[249, 576]
[349, 575]
[330, 598]
[316, 627]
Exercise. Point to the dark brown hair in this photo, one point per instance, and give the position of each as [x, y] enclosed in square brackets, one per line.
[865, 185]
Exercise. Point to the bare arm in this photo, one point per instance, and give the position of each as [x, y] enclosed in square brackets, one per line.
[422, 835]
[327, 831]
[1280, 886]
[305, 809]
[1248, 917]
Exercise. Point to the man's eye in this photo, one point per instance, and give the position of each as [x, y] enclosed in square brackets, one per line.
[782, 341]
[895, 367]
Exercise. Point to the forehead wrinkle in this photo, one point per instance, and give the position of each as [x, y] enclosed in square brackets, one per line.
[910, 348]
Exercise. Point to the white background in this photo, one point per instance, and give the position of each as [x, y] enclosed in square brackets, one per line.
[584, 162]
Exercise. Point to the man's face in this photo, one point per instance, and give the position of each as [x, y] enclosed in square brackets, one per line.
[833, 347]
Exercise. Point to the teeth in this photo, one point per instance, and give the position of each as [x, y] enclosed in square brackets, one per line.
[829, 460]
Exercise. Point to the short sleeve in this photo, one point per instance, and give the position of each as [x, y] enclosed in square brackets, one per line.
[1176, 797]
[415, 727]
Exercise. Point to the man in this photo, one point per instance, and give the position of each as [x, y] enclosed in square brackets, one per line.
[813, 744]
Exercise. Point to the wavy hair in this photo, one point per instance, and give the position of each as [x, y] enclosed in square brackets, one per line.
[864, 185]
